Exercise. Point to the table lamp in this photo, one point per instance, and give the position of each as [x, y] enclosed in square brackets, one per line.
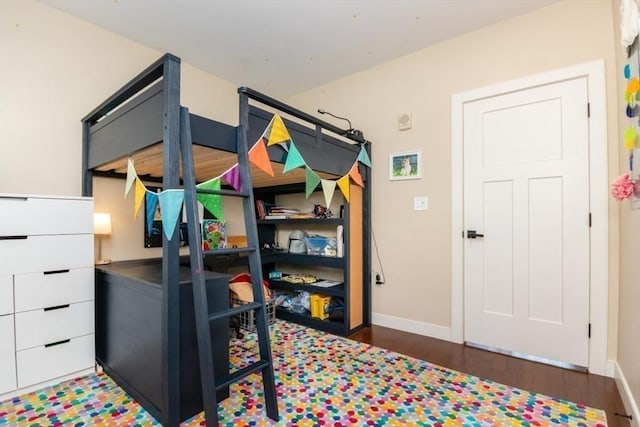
[101, 227]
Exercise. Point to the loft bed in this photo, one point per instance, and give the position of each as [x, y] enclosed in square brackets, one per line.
[142, 121]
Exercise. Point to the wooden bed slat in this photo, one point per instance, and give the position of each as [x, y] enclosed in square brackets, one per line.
[209, 163]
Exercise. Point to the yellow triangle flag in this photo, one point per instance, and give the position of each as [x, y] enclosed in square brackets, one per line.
[354, 173]
[279, 132]
[140, 192]
[258, 156]
[343, 184]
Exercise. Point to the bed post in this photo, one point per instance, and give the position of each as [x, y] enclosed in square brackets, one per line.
[170, 248]
[366, 245]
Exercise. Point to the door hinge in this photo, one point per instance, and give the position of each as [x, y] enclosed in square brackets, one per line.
[589, 333]
[589, 219]
[588, 109]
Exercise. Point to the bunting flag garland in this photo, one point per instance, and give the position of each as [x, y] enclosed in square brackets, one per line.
[131, 177]
[171, 200]
[294, 159]
[232, 177]
[343, 184]
[278, 133]
[328, 188]
[151, 203]
[354, 173]
[258, 156]
[363, 157]
[212, 202]
[170, 205]
[140, 191]
[311, 180]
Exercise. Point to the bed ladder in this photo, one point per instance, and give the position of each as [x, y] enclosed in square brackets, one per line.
[203, 317]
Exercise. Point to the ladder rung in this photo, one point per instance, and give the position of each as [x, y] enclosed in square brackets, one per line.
[241, 373]
[222, 192]
[229, 251]
[235, 310]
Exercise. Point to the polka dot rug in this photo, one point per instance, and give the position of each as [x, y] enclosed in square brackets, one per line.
[322, 380]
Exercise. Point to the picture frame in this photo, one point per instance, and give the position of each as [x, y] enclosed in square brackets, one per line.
[405, 165]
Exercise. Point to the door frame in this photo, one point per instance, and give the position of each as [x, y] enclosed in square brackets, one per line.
[594, 71]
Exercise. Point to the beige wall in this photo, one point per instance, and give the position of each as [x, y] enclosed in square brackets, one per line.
[629, 315]
[415, 246]
[55, 70]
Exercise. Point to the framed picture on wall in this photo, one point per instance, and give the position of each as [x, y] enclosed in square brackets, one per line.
[405, 165]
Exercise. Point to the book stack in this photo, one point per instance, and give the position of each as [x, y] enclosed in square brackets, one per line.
[281, 212]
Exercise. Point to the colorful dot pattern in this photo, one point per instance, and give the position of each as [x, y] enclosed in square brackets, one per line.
[321, 380]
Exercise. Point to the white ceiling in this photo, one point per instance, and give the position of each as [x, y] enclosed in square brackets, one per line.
[283, 47]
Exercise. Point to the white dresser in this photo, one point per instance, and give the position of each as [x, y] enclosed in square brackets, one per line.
[46, 290]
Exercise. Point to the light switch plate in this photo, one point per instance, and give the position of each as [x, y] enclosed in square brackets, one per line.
[421, 203]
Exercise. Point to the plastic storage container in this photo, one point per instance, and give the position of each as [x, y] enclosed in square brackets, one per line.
[320, 306]
[318, 245]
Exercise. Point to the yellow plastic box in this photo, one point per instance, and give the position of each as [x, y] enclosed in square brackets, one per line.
[319, 306]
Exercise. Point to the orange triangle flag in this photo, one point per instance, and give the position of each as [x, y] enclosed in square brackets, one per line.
[258, 156]
[343, 184]
[140, 192]
[354, 173]
[279, 132]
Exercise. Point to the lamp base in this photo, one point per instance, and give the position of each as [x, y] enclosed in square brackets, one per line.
[102, 261]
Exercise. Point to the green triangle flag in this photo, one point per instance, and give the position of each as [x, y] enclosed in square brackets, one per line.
[311, 180]
[363, 157]
[294, 159]
[212, 202]
[170, 205]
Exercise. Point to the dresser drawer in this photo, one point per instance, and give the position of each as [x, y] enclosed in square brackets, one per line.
[42, 363]
[46, 253]
[7, 355]
[6, 294]
[46, 326]
[33, 215]
[47, 289]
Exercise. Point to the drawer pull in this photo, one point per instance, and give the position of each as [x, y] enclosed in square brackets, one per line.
[56, 307]
[57, 343]
[13, 237]
[24, 199]
[56, 271]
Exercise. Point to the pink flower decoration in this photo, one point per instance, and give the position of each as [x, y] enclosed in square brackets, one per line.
[622, 187]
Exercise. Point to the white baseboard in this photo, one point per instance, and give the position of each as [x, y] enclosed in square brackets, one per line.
[628, 400]
[413, 326]
[610, 368]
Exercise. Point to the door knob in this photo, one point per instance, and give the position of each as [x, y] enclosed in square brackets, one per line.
[471, 234]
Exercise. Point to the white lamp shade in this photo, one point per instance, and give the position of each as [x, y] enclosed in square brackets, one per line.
[101, 224]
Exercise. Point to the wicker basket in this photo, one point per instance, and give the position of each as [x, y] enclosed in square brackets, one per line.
[247, 319]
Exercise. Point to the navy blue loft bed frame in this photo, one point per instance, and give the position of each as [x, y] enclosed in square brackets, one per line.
[146, 112]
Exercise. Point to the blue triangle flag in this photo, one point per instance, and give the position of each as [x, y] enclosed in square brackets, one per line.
[294, 159]
[363, 157]
[151, 201]
[170, 206]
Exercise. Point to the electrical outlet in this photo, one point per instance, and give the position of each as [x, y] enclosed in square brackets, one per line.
[379, 280]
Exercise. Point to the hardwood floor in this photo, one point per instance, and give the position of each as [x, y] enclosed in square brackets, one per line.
[592, 390]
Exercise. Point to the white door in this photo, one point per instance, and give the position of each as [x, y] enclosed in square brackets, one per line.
[526, 190]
